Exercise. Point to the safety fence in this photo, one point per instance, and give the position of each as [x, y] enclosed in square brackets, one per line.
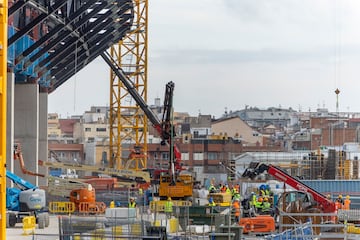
[184, 222]
[62, 207]
[92, 208]
[197, 222]
[159, 206]
[304, 232]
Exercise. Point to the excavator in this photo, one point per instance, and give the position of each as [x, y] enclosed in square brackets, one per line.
[303, 200]
[172, 182]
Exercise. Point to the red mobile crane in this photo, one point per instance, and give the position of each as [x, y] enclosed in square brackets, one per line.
[324, 204]
[307, 200]
[171, 182]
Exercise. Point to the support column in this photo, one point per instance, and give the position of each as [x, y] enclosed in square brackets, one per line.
[43, 136]
[10, 125]
[26, 125]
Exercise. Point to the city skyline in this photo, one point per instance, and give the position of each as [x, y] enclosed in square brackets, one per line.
[289, 53]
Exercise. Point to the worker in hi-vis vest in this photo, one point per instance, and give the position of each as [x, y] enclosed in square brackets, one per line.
[132, 203]
[168, 208]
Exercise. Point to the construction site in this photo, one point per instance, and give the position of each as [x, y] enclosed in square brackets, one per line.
[310, 194]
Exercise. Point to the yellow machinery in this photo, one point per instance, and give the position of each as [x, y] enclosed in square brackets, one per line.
[221, 199]
[3, 96]
[183, 189]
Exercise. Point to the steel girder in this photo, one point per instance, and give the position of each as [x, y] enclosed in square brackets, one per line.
[63, 36]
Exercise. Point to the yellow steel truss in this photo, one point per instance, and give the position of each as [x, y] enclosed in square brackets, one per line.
[128, 124]
[3, 80]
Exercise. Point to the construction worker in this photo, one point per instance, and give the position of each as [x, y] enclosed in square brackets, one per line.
[252, 199]
[258, 204]
[132, 203]
[347, 202]
[252, 203]
[266, 206]
[235, 194]
[339, 202]
[212, 188]
[223, 189]
[267, 190]
[236, 210]
[211, 202]
[228, 190]
[237, 187]
[262, 190]
[168, 208]
[340, 199]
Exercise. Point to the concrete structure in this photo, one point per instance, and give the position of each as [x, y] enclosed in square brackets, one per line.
[287, 160]
[260, 118]
[198, 127]
[236, 128]
[26, 125]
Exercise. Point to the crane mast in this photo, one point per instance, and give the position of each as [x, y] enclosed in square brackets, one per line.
[128, 124]
[3, 96]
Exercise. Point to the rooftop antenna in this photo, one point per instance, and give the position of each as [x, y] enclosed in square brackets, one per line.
[337, 91]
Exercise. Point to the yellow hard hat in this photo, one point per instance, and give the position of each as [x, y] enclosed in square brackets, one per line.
[340, 196]
[347, 197]
[266, 199]
[169, 198]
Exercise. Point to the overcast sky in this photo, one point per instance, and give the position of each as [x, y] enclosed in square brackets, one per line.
[225, 54]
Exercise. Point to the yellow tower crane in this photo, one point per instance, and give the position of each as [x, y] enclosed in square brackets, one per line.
[128, 123]
[3, 75]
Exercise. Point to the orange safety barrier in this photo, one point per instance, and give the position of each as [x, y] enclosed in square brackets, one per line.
[261, 223]
[62, 207]
[94, 207]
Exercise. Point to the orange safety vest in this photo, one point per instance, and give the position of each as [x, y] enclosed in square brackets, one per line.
[236, 206]
[347, 204]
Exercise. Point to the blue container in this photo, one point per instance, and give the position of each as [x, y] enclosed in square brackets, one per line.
[335, 186]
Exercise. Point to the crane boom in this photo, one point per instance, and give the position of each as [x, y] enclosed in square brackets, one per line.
[19, 181]
[131, 89]
[133, 175]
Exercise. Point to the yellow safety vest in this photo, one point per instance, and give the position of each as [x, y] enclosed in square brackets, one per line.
[168, 206]
[212, 204]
